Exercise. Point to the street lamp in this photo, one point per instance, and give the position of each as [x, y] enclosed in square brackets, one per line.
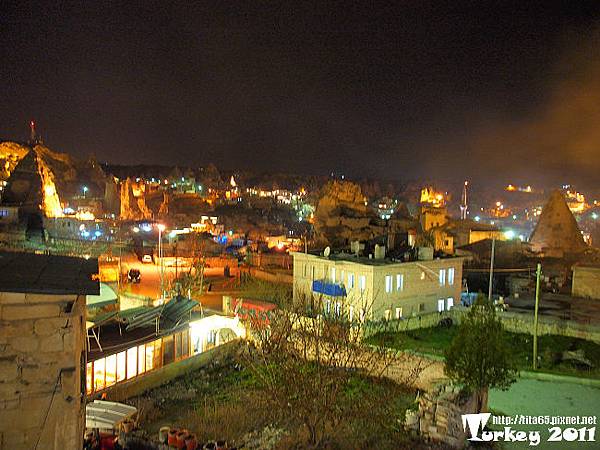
[161, 228]
[84, 189]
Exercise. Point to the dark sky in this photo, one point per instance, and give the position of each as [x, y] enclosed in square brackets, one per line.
[450, 89]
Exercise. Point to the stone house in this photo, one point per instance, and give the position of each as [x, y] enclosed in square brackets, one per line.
[42, 352]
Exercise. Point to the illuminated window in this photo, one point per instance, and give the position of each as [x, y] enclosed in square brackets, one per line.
[388, 284]
[168, 350]
[185, 343]
[89, 378]
[132, 360]
[178, 345]
[121, 366]
[111, 370]
[211, 337]
[398, 313]
[449, 303]
[362, 283]
[399, 282]
[99, 372]
[157, 354]
[351, 313]
[441, 304]
[451, 276]
[337, 309]
[387, 314]
[333, 274]
[149, 356]
[442, 277]
[141, 359]
[422, 275]
[350, 281]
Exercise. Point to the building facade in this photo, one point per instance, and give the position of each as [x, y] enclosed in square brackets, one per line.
[42, 354]
[375, 289]
[586, 281]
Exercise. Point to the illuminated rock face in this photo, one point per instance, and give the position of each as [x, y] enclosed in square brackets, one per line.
[132, 207]
[556, 232]
[342, 215]
[51, 202]
[31, 186]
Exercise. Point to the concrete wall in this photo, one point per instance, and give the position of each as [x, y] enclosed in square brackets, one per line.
[273, 277]
[41, 355]
[586, 282]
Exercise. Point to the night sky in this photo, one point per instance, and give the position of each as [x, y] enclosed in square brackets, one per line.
[502, 91]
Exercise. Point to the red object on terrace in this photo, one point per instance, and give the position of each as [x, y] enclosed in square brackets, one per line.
[255, 311]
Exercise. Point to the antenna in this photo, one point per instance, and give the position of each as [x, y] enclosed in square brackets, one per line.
[327, 252]
[33, 136]
[463, 205]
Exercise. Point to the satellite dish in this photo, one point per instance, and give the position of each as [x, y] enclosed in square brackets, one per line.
[327, 252]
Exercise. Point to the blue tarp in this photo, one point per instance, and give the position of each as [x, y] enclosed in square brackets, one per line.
[328, 288]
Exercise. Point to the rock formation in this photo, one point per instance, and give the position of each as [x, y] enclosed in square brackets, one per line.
[557, 233]
[342, 215]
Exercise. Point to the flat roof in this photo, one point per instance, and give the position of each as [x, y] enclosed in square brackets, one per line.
[48, 274]
[352, 258]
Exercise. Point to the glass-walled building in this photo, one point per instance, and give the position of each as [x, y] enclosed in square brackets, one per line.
[126, 356]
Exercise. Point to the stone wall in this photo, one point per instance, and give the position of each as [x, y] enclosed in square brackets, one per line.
[41, 355]
[439, 415]
[586, 282]
[514, 322]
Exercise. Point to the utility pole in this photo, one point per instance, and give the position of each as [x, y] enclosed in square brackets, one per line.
[535, 317]
[161, 228]
[491, 270]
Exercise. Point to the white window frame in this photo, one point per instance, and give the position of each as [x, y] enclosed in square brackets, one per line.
[332, 272]
[351, 313]
[387, 314]
[442, 277]
[350, 281]
[362, 283]
[399, 282]
[389, 281]
[399, 313]
[441, 305]
[449, 303]
[337, 309]
[451, 276]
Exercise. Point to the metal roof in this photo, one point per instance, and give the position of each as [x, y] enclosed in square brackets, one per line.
[169, 315]
[48, 274]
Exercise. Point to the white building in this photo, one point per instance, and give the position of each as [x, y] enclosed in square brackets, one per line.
[378, 288]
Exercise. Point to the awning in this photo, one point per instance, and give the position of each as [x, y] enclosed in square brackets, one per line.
[107, 297]
[103, 414]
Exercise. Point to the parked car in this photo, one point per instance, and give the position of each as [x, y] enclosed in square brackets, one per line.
[134, 275]
[147, 259]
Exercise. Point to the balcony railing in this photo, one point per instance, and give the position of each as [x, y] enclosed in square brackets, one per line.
[330, 288]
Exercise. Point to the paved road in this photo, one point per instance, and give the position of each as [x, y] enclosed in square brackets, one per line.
[533, 397]
[149, 285]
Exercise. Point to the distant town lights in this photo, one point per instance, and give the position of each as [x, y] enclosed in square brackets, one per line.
[509, 234]
[476, 218]
[594, 215]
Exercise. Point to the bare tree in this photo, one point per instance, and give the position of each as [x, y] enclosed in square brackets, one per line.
[306, 355]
